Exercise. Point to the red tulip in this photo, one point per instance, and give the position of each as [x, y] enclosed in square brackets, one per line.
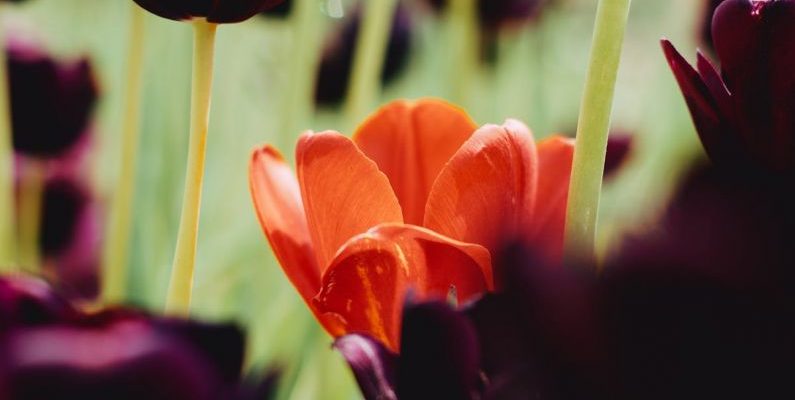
[416, 201]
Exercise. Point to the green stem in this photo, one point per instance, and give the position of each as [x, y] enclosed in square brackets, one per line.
[8, 243]
[181, 285]
[31, 191]
[116, 248]
[592, 129]
[462, 34]
[368, 61]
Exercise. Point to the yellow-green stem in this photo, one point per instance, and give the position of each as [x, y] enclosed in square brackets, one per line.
[31, 191]
[462, 31]
[181, 284]
[592, 129]
[116, 247]
[368, 61]
[8, 242]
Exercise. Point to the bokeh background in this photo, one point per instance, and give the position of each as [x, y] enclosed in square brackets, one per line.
[264, 92]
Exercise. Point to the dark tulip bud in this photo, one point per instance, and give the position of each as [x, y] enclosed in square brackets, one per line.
[220, 12]
[745, 115]
[335, 67]
[51, 102]
[121, 354]
[28, 301]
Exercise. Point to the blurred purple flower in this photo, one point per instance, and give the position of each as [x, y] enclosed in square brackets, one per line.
[51, 102]
[70, 237]
[619, 150]
[50, 350]
[337, 61]
[28, 301]
[226, 11]
[494, 14]
[745, 115]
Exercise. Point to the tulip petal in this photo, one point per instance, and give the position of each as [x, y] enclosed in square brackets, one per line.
[486, 193]
[702, 106]
[367, 283]
[277, 200]
[555, 156]
[754, 43]
[372, 364]
[411, 142]
[343, 191]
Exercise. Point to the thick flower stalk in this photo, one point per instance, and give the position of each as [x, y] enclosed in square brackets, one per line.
[205, 17]
[407, 206]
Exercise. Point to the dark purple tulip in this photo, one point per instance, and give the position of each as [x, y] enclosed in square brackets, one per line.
[70, 237]
[121, 355]
[494, 14]
[439, 358]
[28, 301]
[745, 115]
[221, 12]
[335, 66]
[51, 102]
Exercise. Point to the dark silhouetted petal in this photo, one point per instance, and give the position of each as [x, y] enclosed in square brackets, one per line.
[439, 355]
[121, 355]
[335, 66]
[540, 337]
[373, 365]
[51, 103]
[28, 301]
[226, 11]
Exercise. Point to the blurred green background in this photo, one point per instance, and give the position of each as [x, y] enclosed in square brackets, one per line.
[262, 89]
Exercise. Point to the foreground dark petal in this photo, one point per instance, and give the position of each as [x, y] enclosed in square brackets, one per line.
[373, 365]
[227, 11]
[122, 355]
[540, 336]
[51, 102]
[27, 301]
[675, 333]
[439, 354]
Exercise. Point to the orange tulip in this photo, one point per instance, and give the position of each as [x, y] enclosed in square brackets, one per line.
[418, 200]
